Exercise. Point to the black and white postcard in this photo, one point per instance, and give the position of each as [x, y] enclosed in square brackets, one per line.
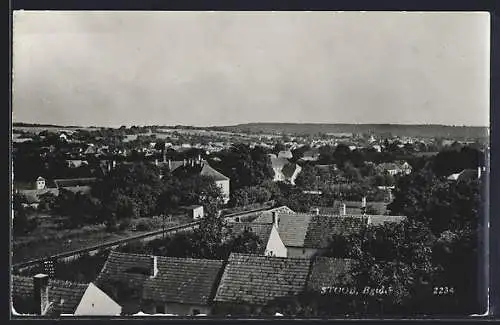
[302, 164]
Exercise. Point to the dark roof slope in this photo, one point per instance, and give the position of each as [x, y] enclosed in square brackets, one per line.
[262, 230]
[321, 228]
[467, 175]
[354, 207]
[257, 279]
[181, 280]
[203, 169]
[278, 162]
[376, 220]
[207, 170]
[73, 182]
[291, 227]
[328, 272]
[64, 296]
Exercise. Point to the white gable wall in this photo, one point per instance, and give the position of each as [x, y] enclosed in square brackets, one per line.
[296, 173]
[96, 302]
[224, 186]
[275, 246]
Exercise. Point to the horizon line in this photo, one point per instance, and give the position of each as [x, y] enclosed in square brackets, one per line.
[248, 123]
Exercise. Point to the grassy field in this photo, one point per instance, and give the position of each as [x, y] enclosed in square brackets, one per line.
[49, 239]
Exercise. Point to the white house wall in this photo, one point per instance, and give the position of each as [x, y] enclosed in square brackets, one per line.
[96, 302]
[224, 186]
[296, 173]
[275, 246]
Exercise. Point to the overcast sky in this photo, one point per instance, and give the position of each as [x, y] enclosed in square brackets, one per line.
[221, 68]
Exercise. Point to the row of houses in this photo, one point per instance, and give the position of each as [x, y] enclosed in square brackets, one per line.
[308, 234]
[137, 284]
[43, 186]
[287, 264]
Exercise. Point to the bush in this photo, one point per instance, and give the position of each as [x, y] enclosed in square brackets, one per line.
[124, 225]
[22, 224]
[145, 225]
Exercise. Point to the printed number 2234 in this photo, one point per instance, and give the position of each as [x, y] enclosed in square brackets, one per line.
[443, 291]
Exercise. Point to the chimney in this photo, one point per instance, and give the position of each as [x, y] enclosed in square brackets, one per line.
[153, 266]
[192, 162]
[316, 211]
[343, 211]
[41, 293]
[169, 164]
[363, 202]
[114, 163]
[275, 219]
[199, 158]
[184, 162]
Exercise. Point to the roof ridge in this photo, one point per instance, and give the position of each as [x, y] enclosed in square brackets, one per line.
[270, 257]
[213, 170]
[250, 223]
[52, 281]
[163, 257]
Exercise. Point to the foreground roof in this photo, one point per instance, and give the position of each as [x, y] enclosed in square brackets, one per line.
[180, 280]
[328, 272]
[309, 230]
[65, 296]
[257, 280]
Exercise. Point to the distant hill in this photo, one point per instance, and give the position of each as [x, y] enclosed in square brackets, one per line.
[411, 130]
[430, 130]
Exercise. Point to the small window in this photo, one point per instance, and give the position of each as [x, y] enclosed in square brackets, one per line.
[196, 312]
[303, 251]
[160, 309]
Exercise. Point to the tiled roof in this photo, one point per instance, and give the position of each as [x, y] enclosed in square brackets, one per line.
[33, 196]
[64, 295]
[314, 231]
[321, 228]
[467, 174]
[73, 182]
[268, 213]
[174, 164]
[262, 230]
[389, 166]
[285, 154]
[380, 219]
[327, 272]
[256, 279]
[207, 170]
[291, 227]
[181, 280]
[354, 207]
[278, 162]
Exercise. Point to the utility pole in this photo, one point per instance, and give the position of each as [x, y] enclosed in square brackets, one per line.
[163, 216]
